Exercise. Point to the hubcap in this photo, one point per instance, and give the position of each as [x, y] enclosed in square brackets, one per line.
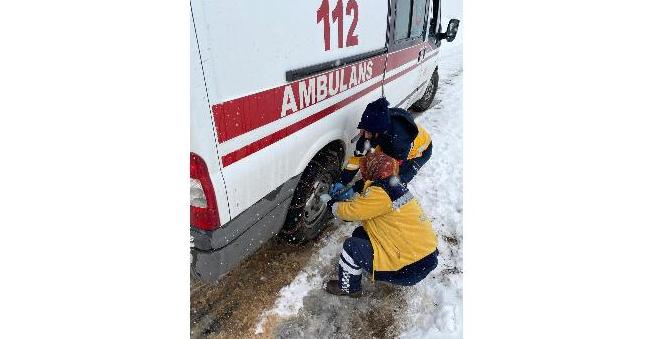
[314, 207]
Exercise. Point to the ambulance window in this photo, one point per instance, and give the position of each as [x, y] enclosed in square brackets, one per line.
[418, 18]
[402, 20]
[435, 14]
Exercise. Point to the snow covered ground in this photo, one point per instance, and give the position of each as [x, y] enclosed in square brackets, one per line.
[435, 304]
[432, 308]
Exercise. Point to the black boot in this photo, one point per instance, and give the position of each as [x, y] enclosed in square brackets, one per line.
[333, 288]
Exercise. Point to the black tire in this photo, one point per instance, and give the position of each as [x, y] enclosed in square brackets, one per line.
[308, 216]
[426, 100]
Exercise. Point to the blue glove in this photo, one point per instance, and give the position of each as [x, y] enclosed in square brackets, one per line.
[346, 195]
[336, 189]
[341, 196]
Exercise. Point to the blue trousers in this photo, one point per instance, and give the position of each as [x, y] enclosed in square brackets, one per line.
[357, 255]
[409, 168]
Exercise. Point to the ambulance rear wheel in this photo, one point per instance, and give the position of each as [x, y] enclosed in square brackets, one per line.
[426, 100]
[308, 215]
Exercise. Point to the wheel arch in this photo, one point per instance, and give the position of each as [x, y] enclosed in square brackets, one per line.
[297, 228]
[324, 144]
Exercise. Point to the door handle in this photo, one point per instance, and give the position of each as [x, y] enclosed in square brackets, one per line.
[422, 53]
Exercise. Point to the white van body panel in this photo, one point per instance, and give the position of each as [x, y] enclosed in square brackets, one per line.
[249, 45]
[252, 177]
[404, 81]
[239, 61]
[202, 137]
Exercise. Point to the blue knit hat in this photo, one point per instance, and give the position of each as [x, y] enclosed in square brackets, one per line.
[376, 118]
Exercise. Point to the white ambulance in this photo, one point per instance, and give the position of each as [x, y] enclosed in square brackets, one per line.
[277, 89]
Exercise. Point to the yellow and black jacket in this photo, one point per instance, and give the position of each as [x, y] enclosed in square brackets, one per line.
[417, 147]
[399, 231]
[406, 140]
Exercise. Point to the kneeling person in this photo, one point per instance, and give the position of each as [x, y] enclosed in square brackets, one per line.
[396, 243]
[394, 132]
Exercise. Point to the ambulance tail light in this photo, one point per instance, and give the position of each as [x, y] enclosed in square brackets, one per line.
[204, 213]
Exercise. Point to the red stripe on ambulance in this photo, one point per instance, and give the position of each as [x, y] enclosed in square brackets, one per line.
[402, 57]
[238, 116]
[243, 152]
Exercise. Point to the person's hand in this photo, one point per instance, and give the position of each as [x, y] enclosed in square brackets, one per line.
[346, 195]
[342, 195]
[336, 189]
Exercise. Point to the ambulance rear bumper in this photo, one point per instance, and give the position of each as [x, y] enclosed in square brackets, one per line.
[215, 253]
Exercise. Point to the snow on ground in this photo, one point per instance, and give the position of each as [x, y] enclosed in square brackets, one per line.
[290, 298]
[435, 304]
[430, 309]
